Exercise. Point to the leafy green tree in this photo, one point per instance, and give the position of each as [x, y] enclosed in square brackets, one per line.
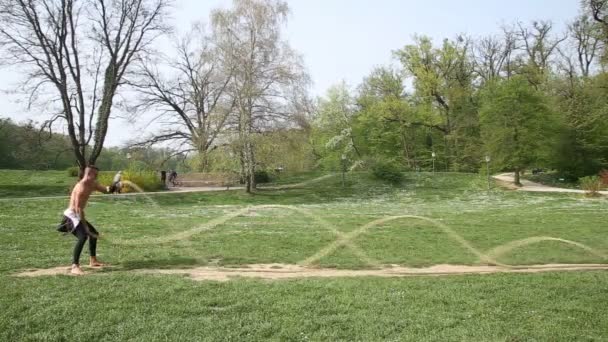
[333, 135]
[385, 120]
[24, 146]
[443, 83]
[583, 148]
[518, 127]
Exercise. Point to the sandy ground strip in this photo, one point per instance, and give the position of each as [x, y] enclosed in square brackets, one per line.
[288, 271]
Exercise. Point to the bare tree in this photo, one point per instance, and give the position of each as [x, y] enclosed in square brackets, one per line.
[539, 47]
[494, 55]
[585, 35]
[195, 103]
[265, 69]
[490, 57]
[80, 52]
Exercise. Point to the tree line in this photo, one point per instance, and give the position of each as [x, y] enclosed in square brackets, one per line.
[529, 96]
[227, 82]
[233, 94]
[25, 146]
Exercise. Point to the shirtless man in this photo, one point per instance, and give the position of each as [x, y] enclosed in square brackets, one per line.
[74, 220]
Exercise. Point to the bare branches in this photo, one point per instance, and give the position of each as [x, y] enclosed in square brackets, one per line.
[264, 68]
[157, 138]
[51, 38]
[586, 37]
[491, 55]
[598, 10]
[125, 29]
[196, 99]
[538, 43]
[37, 34]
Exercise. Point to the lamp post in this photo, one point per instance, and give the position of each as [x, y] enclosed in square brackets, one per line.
[343, 170]
[433, 155]
[488, 171]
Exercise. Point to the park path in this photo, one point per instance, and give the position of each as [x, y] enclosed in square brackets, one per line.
[170, 191]
[178, 190]
[504, 177]
[536, 187]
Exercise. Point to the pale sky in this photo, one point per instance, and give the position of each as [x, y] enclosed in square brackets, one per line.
[345, 39]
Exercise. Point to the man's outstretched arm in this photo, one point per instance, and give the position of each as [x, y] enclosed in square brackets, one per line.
[101, 188]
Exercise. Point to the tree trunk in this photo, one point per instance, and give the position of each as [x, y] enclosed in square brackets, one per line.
[81, 170]
[243, 175]
[252, 166]
[249, 152]
[249, 167]
[448, 151]
[456, 160]
[203, 162]
[247, 171]
[517, 177]
[103, 114]
[406, 152]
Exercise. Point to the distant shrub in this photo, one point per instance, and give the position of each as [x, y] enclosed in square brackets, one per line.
[146, 180]
[387, 171]
[137, 166]
[105, 177]
[592, 185]
[261, 176]
[604, 177]
[73, 171]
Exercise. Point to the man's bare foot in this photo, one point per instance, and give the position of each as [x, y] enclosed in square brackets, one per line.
[76, 270]
[96, 263]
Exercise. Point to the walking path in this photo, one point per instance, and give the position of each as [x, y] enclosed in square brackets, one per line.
[536, 187]
[504, 177]
[177, 190]
[170, 191]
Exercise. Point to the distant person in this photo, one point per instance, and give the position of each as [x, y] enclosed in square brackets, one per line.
[74, 220]
[173, 177]
[116, 186]
[170, 176]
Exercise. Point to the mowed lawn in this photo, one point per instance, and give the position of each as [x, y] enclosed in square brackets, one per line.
[24, 183]
[294, 225]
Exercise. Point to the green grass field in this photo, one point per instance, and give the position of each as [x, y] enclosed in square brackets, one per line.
[23, 183]
[122, 304]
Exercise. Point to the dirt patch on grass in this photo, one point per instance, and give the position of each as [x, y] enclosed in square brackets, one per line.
[287, 271]
[59, 270]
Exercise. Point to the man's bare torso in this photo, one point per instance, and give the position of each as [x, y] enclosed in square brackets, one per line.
[80, 196]
[82, 191]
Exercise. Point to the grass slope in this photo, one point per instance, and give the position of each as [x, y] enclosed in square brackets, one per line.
[25, 183]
